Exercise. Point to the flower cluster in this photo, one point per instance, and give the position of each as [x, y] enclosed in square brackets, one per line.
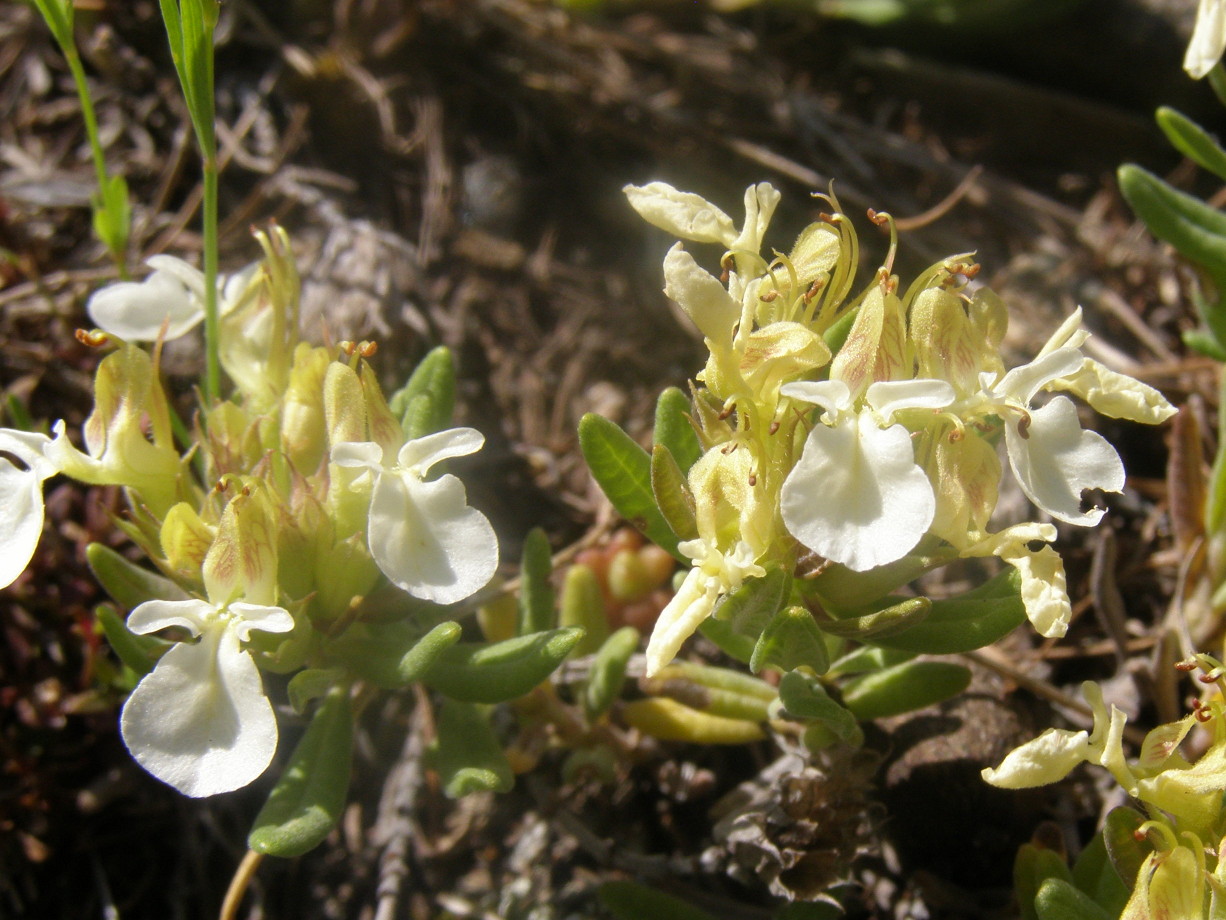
[301, 496]
[861, 428]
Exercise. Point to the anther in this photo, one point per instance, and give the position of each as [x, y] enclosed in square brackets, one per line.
[1023, 427]
[368, 349]
[95, 338]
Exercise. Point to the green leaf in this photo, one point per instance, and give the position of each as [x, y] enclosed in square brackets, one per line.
[623, 471]
[426, 651]
[751, 607]
[791, 639]
[714, 690]
[904, 687]
[494, 672]
[672, 493]
[966, 622]
[307, 801]
[1095, 874]
[425, 404]
[129, 584]
[871, 627]
[608, 671]
[673, 429]
[140, 653]
[310, 684]
[58, 14]
[1032, 867]
[536, 601]
[867, 658]
[804, 697]
[1125, 851]
[467, 754]
[730, 642]
[1192, 141]
[1059, 900]
[631, 901]
[583, 607]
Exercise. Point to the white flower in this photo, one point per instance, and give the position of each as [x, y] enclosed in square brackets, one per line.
[714, 574]
[1044, 588]
[21, 500]
[421, 532]
[1208, 38]
[1053, 459]
[857, 496]
[172, 296]
[199, 720]
[692, 217]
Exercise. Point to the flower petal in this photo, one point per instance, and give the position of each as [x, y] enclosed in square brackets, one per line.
[682, 214]
[890, 396]
[1046, 759]
[832, 395]
[699, 293]
[1208, 39]
[856, 495]
[1056, 460]
[257, 616]
[1044, 588]
[192, 615]
[427, 540]
[200, 721]
[136, 310]
[692, 604]
[366, 454]
[1021, 383]
[21, 509]
[422, 453]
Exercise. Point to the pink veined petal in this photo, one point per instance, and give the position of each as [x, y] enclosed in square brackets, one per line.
[422, 453]
[426, 539]
[1056, 460]
[192, 615]
[856, 496]
[200, 721]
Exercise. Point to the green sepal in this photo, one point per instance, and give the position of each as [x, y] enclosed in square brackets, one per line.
[1125, 851]
[583, 607]
[308, 798]
[672, 493]
[536, 601]
[1192, 140]
[791, 639]
[425, 403]
[140, 653]
[627, 900]
[494, 672]
[1094, 873]
[1033, 866]
[674, 430]
[904, 687]
[882, 624]
[623, 471]
[129, 584]
[608, 671]
[803, 697]
[1059, 900]
[969, 621]
[466, 753]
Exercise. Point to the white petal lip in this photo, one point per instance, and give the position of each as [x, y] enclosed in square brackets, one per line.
[832, 395]
[136, 310]
[358, 454]
[890, 396]
[1023, 382]
[427, 540]
[701, 296]
[21, 500]
[422, 453]
[857, 496]
[200, 721]
[1057, 460]
[692, 604]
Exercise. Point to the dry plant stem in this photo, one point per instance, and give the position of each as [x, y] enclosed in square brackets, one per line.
[239, 884]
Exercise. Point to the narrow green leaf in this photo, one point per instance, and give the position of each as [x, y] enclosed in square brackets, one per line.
[970, 621]
[674, 430]
[751, 607]
[140, 653]
[494, 672]
[310, 684]
[792, 639]
[129, 584]
[425, 403]
[307, 801]
[421, 657]
[1095, 874]
[536, 601]
[1192, 140]
[623, 470]
[872, 627]
[466, 752]
[583, 607]
[1059, 900]
[608, 671]
[672, 493]
[804, 697]
[1032, 867]
[904, 687]
[631, 901]
[1125, 851]
[732, 643]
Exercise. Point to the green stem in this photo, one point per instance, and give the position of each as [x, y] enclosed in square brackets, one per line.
[212, 323]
